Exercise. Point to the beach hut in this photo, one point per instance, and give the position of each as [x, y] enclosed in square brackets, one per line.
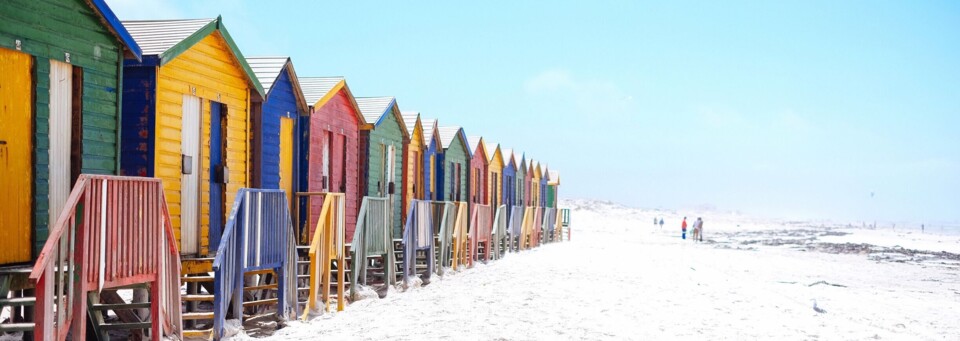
[331, 153]
[478, 170]
[495, 179]
[59, 81]
[186, 112]
[509, 187]
[452, 164]
[544, 179]
[432, 178]
[523, 180]
[534, 185]
[60, 109]
[553, 186]
[383, 151]
[275, 131]
[412, 187]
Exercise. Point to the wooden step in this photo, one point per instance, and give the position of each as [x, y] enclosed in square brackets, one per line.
[17, 327]
[197, 298]
[16, 270]
[259, 272]
[260, 302]
[108, 306]
[18, 302]
[198, 334]
[124, 326]
[190, 266]
[261, 287]
[198, 316]
[196, 279]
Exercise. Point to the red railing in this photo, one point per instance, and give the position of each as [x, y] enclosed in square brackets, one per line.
[480, 231]
[114, 231]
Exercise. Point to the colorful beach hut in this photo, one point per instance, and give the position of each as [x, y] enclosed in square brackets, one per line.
[186, 120]
[275, 130]
[330, 158]
[478, 170]
[535, 175]
[553, 187]
[59, 81]
[495, 179]
[383, 150]
[523, 181]
[509, 179]
[544, 180]
[412, 187]
[452, 166]
[433, 150]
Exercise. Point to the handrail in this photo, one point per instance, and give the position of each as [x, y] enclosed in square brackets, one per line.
[460, 238]
[418, 236]
[515, 228]
[480, 231]
[445, 234]
[257, 236]
[537, 229]
[123, 236]
[499, 229]
[373, 236]
[327, 245]
[565, 221]
[549, 220]
[526, 234]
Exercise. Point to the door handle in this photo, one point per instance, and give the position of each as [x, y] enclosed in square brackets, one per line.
[3, 143]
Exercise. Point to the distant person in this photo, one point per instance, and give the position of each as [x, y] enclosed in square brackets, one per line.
[921, 228]
[654, 221]
[683, 228]
[699, 230]
[661, 223]
[696, 229]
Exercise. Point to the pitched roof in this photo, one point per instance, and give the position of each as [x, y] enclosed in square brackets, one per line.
[447, 134]
[475, 142]
[116, 27]
[375, 109]
[554, 177]
[410, 120]
[492, 149]
[318, 90]
[167, 39]
[508, 156]
[429, 125]
[268, 69]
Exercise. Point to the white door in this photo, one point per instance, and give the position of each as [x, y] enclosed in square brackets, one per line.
[190, 177]
[61, 112]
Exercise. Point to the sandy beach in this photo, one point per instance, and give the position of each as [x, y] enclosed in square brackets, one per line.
[623, 278]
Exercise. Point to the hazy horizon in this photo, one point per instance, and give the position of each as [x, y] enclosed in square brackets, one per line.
[818, 110]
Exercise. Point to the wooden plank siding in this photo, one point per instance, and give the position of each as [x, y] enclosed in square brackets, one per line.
[281, 102]
[478, 171]
[48, 30]
[510, 182]
[495, 176]
[387, 131]
[337, 121]
[413, 170]
[454, 156]
[523, 182]
[433, 187]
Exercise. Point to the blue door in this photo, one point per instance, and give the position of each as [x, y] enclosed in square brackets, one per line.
[218, 172]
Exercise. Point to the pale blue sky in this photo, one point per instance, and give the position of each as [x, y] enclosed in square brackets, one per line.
[795, 109]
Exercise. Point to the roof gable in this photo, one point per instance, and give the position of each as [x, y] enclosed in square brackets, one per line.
[268, 70]
[411, 120]
[478, 147]
[497, 154]
[376, 109]
[448, 134]
[319, 90]
[166, 39]
[116, 27]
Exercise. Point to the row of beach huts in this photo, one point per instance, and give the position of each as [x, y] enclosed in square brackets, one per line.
[160, 183]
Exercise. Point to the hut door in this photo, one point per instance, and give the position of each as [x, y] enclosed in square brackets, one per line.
[219, 174]
[286, 157]
[325, 169]
[190, 176]
[61, 128]
[16, 173]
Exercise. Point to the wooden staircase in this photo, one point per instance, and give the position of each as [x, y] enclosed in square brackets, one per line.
[17, 301]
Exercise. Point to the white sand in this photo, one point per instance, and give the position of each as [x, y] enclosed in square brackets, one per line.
[621, 278]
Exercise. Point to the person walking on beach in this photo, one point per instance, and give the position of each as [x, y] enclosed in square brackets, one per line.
[696, 229]
[661, 223]
[683, 228]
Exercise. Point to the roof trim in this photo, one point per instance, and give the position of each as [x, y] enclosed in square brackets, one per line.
[294, 81]
[397, 115]
[342, 85]
[497, 151]
[116, 27]
[214, 25]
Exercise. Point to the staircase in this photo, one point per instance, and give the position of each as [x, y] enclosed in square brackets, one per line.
[114, 233]
[17, 300]
[327, 270]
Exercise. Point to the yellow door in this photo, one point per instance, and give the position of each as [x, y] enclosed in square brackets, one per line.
[15, 156]
[286, 157]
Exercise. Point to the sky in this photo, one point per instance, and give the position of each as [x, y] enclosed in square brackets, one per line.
[842, 110]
